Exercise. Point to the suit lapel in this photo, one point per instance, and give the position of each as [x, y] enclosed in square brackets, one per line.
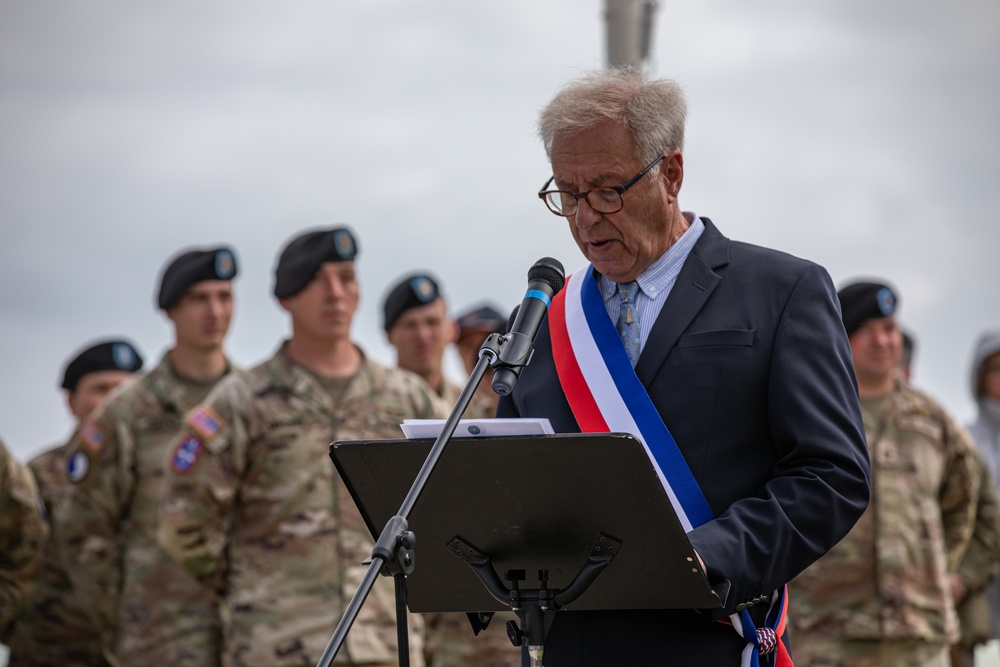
[695, 284]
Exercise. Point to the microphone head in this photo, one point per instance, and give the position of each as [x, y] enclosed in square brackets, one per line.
[549, 271]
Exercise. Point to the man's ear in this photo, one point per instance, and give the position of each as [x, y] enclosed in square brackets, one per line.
[672, 171]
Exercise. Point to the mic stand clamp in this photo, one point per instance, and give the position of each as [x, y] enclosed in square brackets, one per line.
[395, 548]
[512, 352]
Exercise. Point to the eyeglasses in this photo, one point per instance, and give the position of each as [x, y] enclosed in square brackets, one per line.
[605, 199]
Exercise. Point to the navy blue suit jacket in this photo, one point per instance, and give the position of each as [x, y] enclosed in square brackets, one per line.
[749, 366]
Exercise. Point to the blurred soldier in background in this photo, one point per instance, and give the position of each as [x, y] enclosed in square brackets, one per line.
[22, 535]
[417, 325]
[985, 385]
[54, 628]
[149, 611]
[978, 568]
[473, 327]
[907, 354]
[254, 508]
[882, 597]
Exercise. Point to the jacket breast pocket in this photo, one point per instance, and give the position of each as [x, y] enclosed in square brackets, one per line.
[718, 338]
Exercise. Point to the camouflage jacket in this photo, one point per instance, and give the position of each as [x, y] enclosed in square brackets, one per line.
[981, 562]
[888, 578]
[256, 511]
[54, 627]
[23, 533]
[150, 611]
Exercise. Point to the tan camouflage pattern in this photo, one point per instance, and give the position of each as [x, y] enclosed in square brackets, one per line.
[482, 407]
[981, 562]
[451, 642]
[869, 653]
[887, 580]
[23, 533]
[260, 516]
[54, 628]
[150, 611]
[478, 407]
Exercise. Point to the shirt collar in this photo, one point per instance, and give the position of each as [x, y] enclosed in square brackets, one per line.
[658, 275]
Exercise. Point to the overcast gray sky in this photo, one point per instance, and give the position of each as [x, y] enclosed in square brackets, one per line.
[861, 135]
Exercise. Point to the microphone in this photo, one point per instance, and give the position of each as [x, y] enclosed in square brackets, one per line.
[545, 278]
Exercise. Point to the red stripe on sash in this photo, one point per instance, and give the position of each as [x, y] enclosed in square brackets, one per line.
[578, 395]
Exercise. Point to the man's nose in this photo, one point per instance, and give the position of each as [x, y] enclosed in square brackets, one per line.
[585, 215]
[215, 307]
[335, 288]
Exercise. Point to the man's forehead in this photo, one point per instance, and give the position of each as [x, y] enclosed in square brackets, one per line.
[593, 167]
[209, 287]
[337, 267]
[435, 308]
[889, 321]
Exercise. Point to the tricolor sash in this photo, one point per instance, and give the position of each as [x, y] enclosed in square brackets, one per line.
[606, 396]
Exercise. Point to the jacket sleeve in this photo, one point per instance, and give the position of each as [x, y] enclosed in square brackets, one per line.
[959, 493]
[89, 539]
[981, 562]
[23, 531]
[203, 479]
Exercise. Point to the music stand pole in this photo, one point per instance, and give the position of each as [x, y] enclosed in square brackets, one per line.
[394, 549]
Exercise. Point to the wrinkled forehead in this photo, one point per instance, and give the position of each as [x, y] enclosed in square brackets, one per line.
[593, 156]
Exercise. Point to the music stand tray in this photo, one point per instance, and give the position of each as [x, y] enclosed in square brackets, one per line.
[530, 503]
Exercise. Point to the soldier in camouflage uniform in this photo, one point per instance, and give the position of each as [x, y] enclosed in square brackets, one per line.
[418, 326]
[149, 610]
[881, 597]
[473, 327]
[255, 509]
[54, 628]
[979, 567]
[23, 532]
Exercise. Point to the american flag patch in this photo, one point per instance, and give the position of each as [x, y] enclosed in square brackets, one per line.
[186, 455]
[205, 422]
[92, 437]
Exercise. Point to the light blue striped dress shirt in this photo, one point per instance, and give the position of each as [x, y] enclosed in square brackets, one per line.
[655, 282]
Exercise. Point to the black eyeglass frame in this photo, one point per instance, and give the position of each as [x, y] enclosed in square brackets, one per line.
[543, 194]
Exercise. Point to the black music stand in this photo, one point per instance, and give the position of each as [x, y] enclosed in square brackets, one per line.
[534, 504]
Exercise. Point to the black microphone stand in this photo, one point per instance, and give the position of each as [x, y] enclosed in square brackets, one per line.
[393, 554]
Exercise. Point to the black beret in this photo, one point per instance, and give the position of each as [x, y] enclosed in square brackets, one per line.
[191, 267]
[302, 257]
[112, 355]
[482, 320]
[863, 301]
[414, 291]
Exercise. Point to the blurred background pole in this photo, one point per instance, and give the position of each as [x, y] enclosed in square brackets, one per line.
[629, 26]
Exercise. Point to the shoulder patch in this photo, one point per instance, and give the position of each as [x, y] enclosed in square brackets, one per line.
[77, 467]
[186, 455]
[92, 437]
[205, 422]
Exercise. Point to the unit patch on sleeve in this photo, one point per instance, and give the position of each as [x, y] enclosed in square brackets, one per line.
[205, 422]
[186, 455]
[92, 437]
[77, 467]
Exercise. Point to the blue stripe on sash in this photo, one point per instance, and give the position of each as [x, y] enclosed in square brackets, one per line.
[652, 429]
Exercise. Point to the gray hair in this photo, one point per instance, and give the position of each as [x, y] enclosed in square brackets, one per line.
[652, 111]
